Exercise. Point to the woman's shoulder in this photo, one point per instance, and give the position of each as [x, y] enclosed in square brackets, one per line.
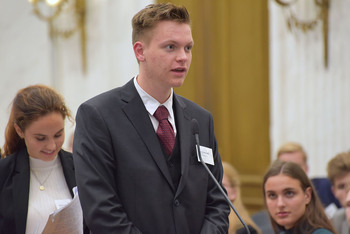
[65, 153]
[7, 161]
[321, 231]
[66, 158]
[7, 167]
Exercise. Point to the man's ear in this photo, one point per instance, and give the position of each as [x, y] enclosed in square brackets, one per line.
[19, 131]
[139, 51]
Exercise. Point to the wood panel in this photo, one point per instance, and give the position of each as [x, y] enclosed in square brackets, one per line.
[229, 77]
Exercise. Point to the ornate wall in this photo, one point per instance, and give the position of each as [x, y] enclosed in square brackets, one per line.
[263, 83]
[310, 102]
[29, 56]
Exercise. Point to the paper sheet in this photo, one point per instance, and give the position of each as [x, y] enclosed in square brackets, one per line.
[68, 219]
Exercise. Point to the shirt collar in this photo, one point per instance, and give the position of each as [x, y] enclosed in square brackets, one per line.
[151, 103]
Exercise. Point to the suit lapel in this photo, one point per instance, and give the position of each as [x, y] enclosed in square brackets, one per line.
[68, 170]
[21, 186]
[21, 190]
[138, 116]
[183, 124]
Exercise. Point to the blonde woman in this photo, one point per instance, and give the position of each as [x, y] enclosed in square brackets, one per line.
[232, 185]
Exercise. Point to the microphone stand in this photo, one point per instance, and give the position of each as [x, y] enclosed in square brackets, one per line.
[217, 183]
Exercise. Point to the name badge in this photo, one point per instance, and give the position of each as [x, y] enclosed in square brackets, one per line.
[207, 155]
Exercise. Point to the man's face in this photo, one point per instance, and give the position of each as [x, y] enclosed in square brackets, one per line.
[296, 157]
[347, 207]
[167, 55]
[341, 187]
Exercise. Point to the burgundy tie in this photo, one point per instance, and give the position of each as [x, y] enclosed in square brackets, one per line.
[165, 132]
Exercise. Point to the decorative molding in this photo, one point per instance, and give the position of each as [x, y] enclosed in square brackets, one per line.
[306, 25]
[67, 18]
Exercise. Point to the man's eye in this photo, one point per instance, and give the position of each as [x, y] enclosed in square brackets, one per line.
[40, 138]
[170, 47]
[188, 48]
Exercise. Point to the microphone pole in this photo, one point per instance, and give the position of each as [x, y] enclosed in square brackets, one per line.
[195, 130]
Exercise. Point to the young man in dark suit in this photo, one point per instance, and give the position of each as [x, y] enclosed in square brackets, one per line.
[130, 179]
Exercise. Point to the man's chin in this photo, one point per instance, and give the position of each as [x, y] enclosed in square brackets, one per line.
[178, 83]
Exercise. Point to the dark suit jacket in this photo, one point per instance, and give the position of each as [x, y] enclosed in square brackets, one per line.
[14, 189]
[123, 178]
[324, 191]
[263, 221]
[244, 231]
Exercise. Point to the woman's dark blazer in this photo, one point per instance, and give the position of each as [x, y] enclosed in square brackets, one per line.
[14, 189]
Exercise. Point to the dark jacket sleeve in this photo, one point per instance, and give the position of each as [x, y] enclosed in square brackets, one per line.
[94, 164]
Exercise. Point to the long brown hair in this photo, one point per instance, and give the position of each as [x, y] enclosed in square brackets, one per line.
[314, 216]
[29, 104]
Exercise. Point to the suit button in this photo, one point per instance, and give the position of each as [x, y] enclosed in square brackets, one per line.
[176, 203]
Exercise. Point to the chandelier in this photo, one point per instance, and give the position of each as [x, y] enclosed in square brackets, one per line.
[65, 18]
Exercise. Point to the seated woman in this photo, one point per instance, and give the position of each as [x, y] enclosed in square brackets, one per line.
[232, 184]
[35, 172]
[292, 202]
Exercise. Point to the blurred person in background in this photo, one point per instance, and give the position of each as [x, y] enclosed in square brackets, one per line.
[232, 184]
[292, 202]
[338, 170]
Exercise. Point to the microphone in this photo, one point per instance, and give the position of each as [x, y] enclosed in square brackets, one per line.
[195, 131]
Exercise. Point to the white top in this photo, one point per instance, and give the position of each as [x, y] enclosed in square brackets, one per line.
[42, 203]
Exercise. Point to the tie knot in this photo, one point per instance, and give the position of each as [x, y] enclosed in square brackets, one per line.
[161, 113]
